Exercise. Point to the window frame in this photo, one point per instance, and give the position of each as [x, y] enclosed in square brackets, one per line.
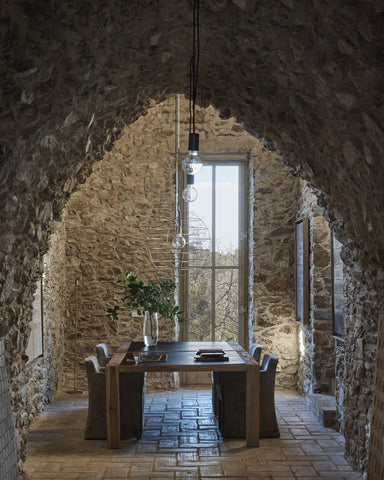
[337, 296]
[302, 271]
[241, 159]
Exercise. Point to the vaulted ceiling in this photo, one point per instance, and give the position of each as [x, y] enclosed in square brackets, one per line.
[308, 78]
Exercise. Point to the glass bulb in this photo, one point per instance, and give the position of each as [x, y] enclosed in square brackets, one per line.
[190, 193]
[192, 164]
[178, 242]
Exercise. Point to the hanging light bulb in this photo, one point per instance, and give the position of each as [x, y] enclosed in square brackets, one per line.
[178, 243]
[190, 193]
[192, 163]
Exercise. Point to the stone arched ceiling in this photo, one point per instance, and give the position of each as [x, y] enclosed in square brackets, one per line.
[305, 76]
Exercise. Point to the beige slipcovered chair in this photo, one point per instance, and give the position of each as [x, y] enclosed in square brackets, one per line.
[131, 402]
[231, 401]
[102, 354]
[268, 421]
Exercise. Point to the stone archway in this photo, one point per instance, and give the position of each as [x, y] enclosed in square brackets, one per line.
[107, 224]
[307, 81]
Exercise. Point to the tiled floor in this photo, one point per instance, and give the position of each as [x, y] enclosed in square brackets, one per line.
[181, 441]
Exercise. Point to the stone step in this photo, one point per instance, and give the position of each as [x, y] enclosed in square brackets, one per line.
[324, 409]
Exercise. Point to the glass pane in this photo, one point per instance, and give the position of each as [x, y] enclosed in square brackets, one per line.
[227, 215]
[338, 288]
[226, 304]
[200, 220]
[200, 305]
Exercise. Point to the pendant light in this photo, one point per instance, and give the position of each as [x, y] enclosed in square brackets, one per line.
[178, 241]
[192, 163]
[190, 193]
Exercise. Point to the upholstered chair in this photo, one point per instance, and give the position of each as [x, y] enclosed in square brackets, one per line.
[102, 354]
[231, 401]
[268, 421]
[255, 351]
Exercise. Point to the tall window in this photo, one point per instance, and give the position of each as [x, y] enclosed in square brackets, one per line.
[35, 342]
[215, 282]
[337, 288]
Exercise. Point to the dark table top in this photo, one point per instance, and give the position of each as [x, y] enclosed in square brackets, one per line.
[180, 356]
[179, 346]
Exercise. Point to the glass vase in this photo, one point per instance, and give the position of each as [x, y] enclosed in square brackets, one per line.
[150, 329]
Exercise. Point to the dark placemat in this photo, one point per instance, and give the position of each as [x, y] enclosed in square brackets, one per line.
[146, 357]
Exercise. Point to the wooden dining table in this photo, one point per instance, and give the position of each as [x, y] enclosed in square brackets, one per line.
[181, 357]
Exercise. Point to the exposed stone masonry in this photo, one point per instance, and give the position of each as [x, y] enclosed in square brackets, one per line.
[109, 223]
[344, 367]
[34, 383]
[8, 454]
[317, 370]
[375, 464]
[362, 310]
[275, 203]
[306, 80]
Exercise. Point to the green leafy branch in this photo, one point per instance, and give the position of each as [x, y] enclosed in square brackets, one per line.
[152, 297]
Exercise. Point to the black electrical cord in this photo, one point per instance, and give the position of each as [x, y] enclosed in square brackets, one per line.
[190, 94]
[196, 55]
[194, 65]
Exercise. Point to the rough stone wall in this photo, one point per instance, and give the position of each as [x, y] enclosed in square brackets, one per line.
[340, 381]
[305, 79]
[362, 309]
[33, 384]
[8, 457]
[317, 365]
[345, 368]
[376, 460]
[54, 312]
[114, 222]
[276, 194]
[73, 74]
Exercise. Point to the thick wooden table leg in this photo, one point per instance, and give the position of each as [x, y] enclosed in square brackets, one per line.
[253, 405]
[113, 406]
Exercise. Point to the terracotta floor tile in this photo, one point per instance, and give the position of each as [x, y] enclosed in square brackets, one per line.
[181, 440]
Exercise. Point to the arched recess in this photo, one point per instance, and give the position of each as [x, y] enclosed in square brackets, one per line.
[109, 224]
